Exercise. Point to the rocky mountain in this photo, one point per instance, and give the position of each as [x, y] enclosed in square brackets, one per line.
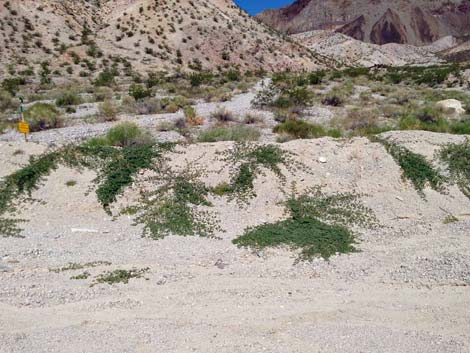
[85, 35]
[353, 52]
[415, 22]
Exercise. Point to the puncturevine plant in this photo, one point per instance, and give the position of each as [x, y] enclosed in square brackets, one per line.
[318, 225]
[415, 167]
[247, 161]
[175, 207]
[457, 157]
[116, 168]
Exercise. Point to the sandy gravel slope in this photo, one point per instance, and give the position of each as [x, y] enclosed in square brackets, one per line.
[407, 290]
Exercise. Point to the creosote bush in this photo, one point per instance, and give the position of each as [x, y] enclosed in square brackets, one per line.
[68, 98]
[300, 129]
[237, 133]
[43, 116]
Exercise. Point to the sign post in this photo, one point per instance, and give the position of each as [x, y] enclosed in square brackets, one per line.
[23, 126]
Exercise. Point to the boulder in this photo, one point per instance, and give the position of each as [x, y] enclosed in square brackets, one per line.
[451, 107]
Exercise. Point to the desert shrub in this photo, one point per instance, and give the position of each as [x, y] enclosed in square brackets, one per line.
[297, 96]
[199, 78]
[236, 133]
[189, 112]
[103, 93]
[315, 78]
[67, 98]
[6, 101]
[43, 116]
[252, 119]
[191, 117]
[108, 110]
[461, 127]
[148, 106]
[363, 122]
[233, 75]
[423, 118]
[139, 92]
[126, 134]
[222, 115]
[300, 129]
[11, 85]
[333, 100]
[105, 78]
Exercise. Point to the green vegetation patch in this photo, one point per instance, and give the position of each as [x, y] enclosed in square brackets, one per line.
[247, 161]
[415, 167]
[172, 209]
[235, 133]
[311, 235]
[116, 168]
[300, 129]
[43, 116]
[317, 225]
[457, 157]
[119, 276]
[72, 266]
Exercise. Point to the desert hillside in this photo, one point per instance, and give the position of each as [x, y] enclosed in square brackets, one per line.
[414, 22]
[82, 36]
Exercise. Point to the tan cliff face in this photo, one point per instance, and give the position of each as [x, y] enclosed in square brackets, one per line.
[416, 22]
[151, 34]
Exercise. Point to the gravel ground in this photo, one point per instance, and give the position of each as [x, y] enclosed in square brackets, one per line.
[239, 105]
[406, 290]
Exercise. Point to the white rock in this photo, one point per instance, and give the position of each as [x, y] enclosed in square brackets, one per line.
[451, 107]
[322, 159]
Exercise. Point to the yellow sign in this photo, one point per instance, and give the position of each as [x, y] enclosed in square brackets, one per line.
[23, 127]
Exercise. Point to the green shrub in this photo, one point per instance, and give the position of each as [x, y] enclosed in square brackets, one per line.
[199, 78]
[300, 129]
[6, 101]
[236, 133]
[105, 78]
[68, 98]
[127, 134]
[233, 75]
[11, 85]
[103, 93]
[223, 115]
[139, 92]
[108, 110]
[333, 100]
[189, 112]
[43, 116]
[461, 127]
[315, 78]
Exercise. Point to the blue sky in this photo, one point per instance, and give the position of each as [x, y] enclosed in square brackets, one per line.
[255, 6]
